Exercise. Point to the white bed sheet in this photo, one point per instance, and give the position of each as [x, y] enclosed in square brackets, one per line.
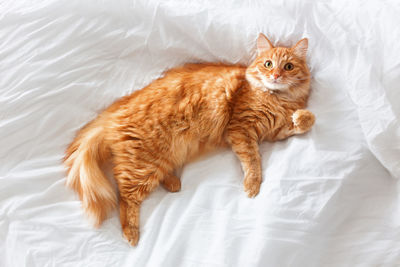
[329, 198]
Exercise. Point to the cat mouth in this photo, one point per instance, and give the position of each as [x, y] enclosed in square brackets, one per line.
[275, 81]
[276, 85]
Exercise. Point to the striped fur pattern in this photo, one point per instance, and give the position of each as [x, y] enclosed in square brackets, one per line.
[187, 112]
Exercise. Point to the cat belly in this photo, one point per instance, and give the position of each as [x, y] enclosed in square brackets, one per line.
[183, 150]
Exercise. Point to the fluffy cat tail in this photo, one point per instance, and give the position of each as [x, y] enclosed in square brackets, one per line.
[83, 159]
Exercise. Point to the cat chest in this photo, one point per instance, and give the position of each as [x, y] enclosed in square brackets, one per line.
[267, 122]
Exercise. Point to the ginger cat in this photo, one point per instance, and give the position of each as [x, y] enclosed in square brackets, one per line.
[192, 109]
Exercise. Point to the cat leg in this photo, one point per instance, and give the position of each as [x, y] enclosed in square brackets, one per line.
[135, 184]
[130, 219]
[249, 156]
[130, 201]
[171, 183]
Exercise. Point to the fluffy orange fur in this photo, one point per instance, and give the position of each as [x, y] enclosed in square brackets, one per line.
[192, 109]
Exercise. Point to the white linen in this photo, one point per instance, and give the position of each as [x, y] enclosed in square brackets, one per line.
[329, 198]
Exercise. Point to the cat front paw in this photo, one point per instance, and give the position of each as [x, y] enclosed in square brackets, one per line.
[303, 120]
[252, 186]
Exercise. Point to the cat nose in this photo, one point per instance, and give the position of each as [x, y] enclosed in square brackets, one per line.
[276, 75]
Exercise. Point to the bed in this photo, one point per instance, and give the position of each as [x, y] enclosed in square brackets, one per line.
[328, 198]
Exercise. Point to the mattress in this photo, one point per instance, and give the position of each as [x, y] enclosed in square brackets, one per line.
[328, 198]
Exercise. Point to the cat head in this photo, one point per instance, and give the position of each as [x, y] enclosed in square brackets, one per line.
[279, 68]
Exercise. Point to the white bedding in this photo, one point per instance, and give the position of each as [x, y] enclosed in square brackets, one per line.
[329, 198]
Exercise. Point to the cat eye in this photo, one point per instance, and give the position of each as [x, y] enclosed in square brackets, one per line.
[289, 66]
[268, 64]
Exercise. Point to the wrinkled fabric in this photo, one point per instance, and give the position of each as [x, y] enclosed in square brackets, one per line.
[328, 198]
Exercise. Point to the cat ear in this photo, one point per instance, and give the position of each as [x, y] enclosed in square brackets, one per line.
[300, 49]
[263, 44]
